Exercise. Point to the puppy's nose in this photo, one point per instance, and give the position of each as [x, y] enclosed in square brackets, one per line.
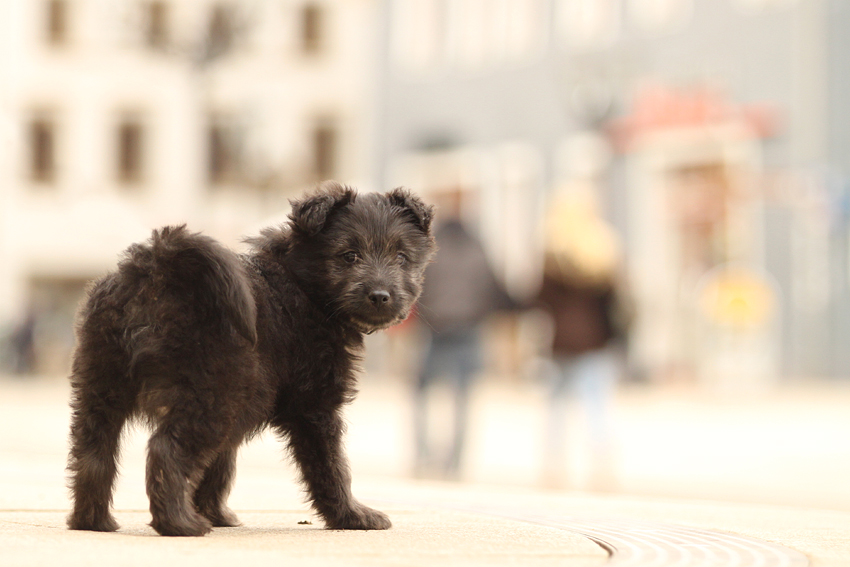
[379, 297]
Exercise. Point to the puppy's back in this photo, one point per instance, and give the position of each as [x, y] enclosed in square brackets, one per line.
[178, 273]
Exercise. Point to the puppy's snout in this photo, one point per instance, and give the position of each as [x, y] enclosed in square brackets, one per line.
[380, 297]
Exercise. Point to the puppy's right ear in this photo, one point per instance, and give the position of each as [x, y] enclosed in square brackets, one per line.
[420, 213]
[310, 213]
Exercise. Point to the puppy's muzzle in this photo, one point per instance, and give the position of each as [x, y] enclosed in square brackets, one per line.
[378, 308]
[380, 298]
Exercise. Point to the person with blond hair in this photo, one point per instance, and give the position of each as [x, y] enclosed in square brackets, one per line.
[581, 293]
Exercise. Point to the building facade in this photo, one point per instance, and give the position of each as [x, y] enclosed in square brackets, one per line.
[118, 117]
[738, 109]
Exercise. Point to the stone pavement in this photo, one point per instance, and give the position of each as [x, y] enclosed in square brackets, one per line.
[419, 537]
[434, 523]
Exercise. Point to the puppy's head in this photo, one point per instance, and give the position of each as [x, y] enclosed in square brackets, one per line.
[364, 255]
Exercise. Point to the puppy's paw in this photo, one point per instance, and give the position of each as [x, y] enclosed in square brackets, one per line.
[360, 517]
[194, 525]
[92, 522]
[222, 518]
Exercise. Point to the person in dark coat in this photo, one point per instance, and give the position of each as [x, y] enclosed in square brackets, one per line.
[23, 345]
[460, 292]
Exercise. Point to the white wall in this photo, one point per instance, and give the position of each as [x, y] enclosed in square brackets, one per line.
[76, 226]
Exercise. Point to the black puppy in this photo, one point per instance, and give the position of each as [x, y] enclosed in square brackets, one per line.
[210, 347]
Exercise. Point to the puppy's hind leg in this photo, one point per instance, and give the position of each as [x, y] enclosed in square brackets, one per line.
[211, 495]
[190, 433]
[96, 424]
[175, 467]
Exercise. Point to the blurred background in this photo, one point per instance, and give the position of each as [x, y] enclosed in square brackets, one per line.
[655, 195]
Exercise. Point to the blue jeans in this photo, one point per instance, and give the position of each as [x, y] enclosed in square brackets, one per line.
[591, 378]
[456, 357]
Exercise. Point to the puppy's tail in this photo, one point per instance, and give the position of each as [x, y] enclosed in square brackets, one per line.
[212, 276]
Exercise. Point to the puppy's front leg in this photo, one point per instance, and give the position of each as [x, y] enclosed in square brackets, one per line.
[316, 444]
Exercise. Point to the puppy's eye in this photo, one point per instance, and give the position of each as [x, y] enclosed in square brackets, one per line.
[351, 257]
[402, 258]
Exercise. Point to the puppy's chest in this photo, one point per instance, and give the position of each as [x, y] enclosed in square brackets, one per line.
[314, 389]
[310, 357]
[311, 366]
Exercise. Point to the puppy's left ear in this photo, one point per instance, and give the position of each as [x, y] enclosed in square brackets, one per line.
[420, 213]
[310, 213]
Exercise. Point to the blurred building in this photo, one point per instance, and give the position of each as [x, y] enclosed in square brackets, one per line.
[119, 116]
[728, 124]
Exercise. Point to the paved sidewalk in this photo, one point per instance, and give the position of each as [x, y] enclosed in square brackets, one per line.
[451, 525]
[434, 523]
[419, 537]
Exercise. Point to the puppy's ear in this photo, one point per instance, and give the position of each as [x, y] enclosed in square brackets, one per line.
[420, 213]
[310, 213]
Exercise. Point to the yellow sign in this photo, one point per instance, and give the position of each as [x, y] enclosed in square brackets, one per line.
[737, 297]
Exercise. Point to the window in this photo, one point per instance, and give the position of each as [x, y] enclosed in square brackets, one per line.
[312, 28]
[419, 31]
[754, 6]
[589, 23]
[467, 34]
[222, 31]
[526, 30]
[130, 151]
[156, 35]
[57, 22]
[324, 146]
[487, 32]
[660, 15]
[53, 301]
[42, 144]
[469, 25]
[223, 151]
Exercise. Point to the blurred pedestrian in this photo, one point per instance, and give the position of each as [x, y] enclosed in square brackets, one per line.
[22, 343]
[460, 292]
[581, 292]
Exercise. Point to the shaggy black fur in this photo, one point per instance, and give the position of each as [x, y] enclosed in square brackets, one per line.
[210, 347]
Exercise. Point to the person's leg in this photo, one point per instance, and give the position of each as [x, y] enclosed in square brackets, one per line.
[466, 363]
[559, 380]
[432, 366]
[597, 375]
[461, 416]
